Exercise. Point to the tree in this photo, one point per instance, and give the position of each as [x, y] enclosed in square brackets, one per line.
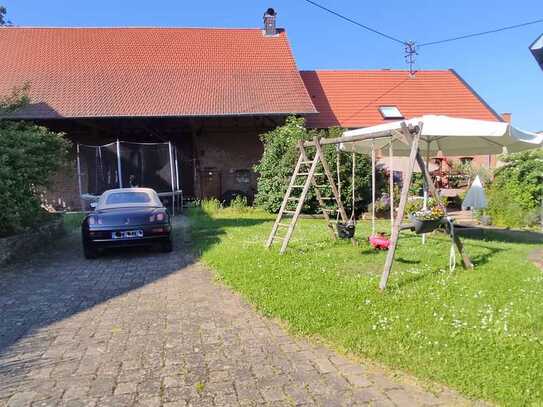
[517, 190]
[29, 156]
[18, 98]
[3, 20]
[279, 158]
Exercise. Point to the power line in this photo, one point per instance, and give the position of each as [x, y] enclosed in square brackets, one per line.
[350, 20]
[510, 27]
[410, 46]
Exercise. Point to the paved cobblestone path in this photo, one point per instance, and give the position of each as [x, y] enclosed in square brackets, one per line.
[151, 329]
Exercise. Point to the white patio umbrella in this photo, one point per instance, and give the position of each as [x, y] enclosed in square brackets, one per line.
[449, 135]
[475, 197]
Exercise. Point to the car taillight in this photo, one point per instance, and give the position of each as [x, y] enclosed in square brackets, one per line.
[93, 220]
[157, 217]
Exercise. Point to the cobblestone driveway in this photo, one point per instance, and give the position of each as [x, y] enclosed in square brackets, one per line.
[152, 329]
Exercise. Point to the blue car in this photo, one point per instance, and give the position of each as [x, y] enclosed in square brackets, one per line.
[126, 217]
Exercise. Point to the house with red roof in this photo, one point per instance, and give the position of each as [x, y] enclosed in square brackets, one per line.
[209, 91]
[363, 98]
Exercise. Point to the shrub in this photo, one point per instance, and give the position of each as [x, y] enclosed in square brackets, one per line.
[279, 159]
[239, 203]
[210, 206]
[277, 162]
[516, 193]
[29, 156]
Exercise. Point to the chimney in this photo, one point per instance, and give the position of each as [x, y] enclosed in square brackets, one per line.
[269, 22]
[506, 117]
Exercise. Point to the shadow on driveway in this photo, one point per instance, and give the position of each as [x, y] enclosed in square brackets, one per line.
[57, 283]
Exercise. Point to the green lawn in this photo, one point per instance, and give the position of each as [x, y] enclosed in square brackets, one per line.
[478, 331]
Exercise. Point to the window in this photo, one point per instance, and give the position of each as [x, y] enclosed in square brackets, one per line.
[128, 198]
[390, 112]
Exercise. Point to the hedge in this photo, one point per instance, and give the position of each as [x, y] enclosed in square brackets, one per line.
[29, 156]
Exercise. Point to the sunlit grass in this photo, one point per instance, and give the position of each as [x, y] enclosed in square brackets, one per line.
[478, 331]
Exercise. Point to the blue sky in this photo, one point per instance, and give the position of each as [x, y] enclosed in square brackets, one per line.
[499, 67]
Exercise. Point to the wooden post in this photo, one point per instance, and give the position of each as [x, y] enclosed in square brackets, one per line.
[285, 198]
[330, 178]
[301, 201]
[403, 201]
[318, 193]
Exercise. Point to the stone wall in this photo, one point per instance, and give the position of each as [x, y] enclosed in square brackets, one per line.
[21, 244]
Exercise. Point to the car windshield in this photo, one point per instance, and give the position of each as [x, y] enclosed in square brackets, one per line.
[128, 198]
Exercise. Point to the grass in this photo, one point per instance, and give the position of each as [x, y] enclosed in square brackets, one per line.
[480, 331]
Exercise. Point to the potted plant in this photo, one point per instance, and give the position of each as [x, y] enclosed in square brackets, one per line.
[427, 220]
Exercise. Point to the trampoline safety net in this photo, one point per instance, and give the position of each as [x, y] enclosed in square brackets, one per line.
[140, 164]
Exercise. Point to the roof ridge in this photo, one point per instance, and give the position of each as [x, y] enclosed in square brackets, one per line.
[132, 28]
[375, 70]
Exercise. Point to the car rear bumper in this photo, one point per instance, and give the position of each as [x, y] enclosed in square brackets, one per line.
[102, 237]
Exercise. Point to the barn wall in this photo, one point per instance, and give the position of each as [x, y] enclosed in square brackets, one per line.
[217, 155]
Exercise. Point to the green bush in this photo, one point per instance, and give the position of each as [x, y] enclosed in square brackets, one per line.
[210, 206]
[517, 190]
[29, 156]
[279, 159]
[239, 203]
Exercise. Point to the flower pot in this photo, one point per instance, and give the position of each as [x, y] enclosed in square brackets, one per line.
[425, 226]
[345, 230]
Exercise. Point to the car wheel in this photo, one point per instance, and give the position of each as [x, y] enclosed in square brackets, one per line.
[90, 251]
[167, 246]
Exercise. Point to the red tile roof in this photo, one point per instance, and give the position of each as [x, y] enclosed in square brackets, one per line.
[352, 98]
[96, 72]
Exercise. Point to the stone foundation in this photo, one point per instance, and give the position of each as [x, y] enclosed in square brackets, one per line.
[20, 245]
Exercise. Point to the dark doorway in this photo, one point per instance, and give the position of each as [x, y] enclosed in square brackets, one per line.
[210, 183]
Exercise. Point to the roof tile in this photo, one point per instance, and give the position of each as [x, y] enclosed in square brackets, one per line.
[352, 98]
[104, 72]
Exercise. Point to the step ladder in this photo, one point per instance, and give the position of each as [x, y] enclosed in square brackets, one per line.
[306, 169]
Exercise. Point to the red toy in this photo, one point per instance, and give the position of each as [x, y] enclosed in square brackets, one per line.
[380, 241]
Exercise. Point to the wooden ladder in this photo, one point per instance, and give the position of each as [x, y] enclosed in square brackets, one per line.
[300, 170]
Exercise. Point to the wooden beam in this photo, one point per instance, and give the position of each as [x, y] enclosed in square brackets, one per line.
[401, 207]
[330, 177]
[353, 139]
[318, 194]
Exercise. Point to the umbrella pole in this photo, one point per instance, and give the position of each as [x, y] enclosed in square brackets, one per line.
[391, 185]
[425, 203]
[372, 189]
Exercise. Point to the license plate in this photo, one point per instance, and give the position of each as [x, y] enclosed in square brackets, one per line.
[127, 234]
